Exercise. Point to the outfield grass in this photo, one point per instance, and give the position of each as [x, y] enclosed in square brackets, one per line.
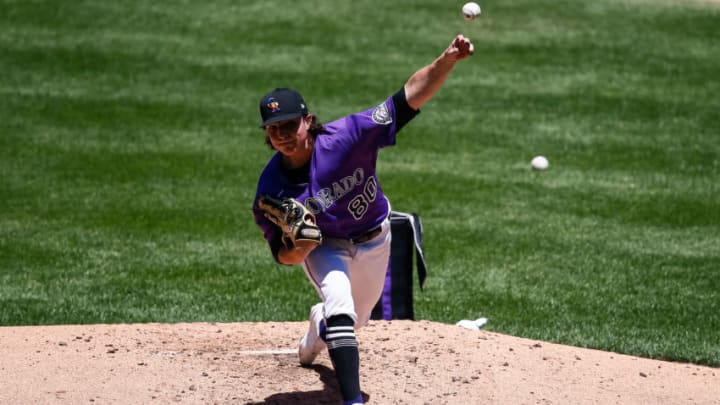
[129, 153]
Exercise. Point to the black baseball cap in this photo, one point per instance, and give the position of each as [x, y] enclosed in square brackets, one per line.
[281, 104]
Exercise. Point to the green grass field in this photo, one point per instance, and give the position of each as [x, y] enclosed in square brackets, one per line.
[129, 153]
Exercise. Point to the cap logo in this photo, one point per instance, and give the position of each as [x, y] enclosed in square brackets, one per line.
[273, 105]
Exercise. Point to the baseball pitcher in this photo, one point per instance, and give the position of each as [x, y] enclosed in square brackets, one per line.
[320, 205]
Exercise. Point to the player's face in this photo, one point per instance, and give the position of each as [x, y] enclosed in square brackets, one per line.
[288, 136]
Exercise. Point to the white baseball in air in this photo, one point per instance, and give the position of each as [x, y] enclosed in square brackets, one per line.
[471, 11]
[539, 163]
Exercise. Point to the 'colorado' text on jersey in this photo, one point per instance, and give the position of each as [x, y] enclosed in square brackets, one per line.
[343, 190]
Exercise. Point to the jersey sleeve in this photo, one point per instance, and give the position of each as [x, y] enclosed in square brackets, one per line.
[271, 232]
[403, 112]
[272, 182]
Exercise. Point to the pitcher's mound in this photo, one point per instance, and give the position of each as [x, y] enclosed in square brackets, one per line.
[402, 362]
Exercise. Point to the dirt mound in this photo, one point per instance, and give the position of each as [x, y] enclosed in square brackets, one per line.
[402, 362]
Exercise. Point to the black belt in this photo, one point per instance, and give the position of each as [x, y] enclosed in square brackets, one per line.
[367, 235]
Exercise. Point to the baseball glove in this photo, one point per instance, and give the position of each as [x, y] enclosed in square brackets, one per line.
[296, 222]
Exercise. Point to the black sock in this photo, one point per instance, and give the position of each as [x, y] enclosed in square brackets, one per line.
[344, 354]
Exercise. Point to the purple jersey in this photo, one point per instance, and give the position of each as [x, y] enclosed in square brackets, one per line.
[343, 190]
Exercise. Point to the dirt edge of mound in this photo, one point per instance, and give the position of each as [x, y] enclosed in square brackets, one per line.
[256, 363]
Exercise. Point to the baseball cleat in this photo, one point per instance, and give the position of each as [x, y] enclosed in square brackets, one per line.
[312, 344]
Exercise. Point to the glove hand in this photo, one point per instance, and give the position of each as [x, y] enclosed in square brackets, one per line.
[295, 221]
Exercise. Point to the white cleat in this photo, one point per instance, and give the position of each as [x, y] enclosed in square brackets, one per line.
[311, 344]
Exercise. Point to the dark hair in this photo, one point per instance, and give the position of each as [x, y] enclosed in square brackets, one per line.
[316, 127]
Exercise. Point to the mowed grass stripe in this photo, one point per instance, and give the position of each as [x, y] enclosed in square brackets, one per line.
[129, 152]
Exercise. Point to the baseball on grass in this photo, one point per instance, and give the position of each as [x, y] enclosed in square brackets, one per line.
[539, 163]
[471, 11]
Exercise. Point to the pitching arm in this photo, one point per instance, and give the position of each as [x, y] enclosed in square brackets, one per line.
[424, 83]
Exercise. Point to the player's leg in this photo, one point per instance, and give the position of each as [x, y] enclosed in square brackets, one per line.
[343, 351]
[327, 268]
[367, 274]
[318, 268]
